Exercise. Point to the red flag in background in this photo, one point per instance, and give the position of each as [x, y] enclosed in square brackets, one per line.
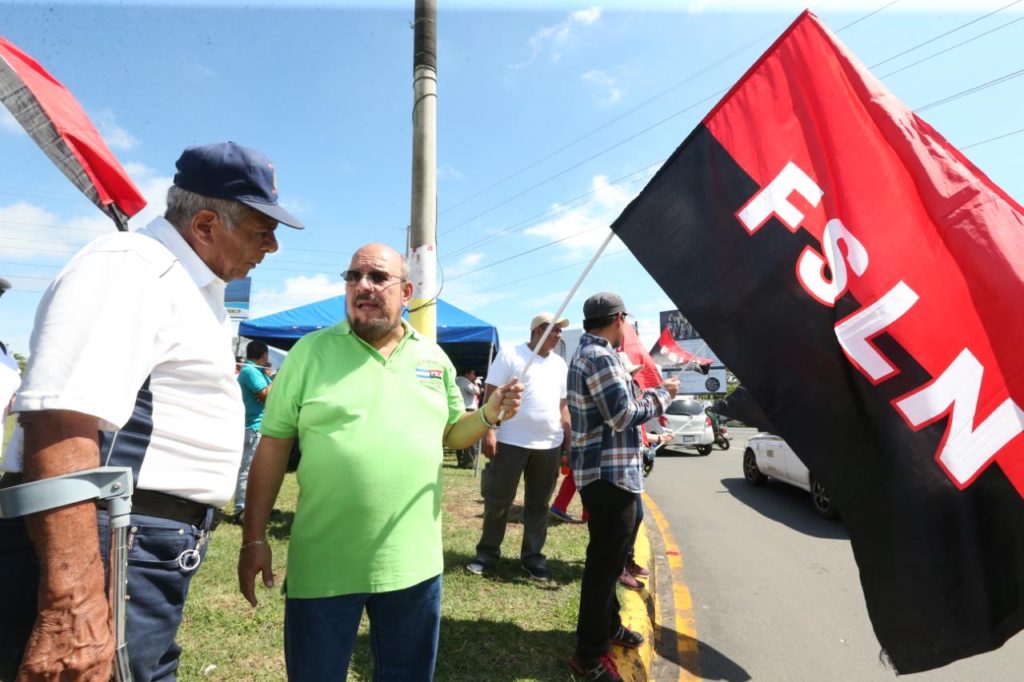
[649, 375]
[53, 118]
[864, 280]
[677, 356]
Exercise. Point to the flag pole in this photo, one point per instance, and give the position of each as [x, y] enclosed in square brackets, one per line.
[490, 361]
[565, 303]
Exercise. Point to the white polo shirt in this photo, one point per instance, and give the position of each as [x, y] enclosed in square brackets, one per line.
[538, 424]
[133, 309]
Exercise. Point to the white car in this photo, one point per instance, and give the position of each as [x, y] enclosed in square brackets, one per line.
[685, 418]
[769, 456]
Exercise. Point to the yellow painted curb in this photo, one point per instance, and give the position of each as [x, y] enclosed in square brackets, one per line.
[685, 621]
[635, 664]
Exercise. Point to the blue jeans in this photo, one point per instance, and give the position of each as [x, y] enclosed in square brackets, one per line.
[157, 587]
[319, 634]
[159, 575]
[252, 439]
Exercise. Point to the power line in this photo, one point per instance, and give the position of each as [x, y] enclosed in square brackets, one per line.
[606, 254]
[623, 141]
[527, 252]
[944, 100]
[993, 139]
[971, 91]
[575, 202]
[587, 160]
[867, 16]
[672, 88]
[943, 35]
[954, 46]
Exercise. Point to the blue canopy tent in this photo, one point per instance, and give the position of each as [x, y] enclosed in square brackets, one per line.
[467, 340]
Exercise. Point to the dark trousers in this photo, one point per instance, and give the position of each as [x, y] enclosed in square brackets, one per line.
[636, 526]
[158, 582]
[320, 633]
[539, 469]
[612, 519]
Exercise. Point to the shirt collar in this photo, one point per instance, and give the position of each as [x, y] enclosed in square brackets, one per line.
[587, 339]
[169, 236]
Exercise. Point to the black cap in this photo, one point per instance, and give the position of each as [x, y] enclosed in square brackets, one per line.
[227, 170]
[4, 285]
[603, 304]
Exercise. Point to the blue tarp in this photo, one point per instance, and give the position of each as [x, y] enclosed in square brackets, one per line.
[466, 339]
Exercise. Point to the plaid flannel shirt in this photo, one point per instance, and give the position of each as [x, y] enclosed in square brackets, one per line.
[606, 417]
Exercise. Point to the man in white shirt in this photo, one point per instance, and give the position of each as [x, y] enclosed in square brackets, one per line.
[528, 446]
[10, 376]
[131, 364]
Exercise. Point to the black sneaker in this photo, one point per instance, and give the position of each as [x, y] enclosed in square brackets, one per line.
[601, 668]
[538, 573]
[627, 638]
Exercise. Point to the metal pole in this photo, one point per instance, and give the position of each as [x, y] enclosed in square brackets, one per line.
[423, 226]
[561, 308]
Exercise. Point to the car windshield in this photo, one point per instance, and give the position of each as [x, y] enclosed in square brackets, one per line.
[690, 408]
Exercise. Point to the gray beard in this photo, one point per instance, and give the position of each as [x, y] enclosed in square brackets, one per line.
[373, 330]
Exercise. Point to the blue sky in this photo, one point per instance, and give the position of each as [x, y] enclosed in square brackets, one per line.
[551, 116]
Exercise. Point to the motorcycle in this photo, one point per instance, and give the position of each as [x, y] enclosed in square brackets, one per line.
[722, 438]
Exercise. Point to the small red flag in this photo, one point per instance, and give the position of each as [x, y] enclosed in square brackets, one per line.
[56, 121]
[649, 375]
[671, 350]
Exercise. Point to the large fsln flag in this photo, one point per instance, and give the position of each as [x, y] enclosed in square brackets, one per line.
[864, 280]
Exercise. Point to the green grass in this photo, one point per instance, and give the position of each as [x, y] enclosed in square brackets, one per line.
[500, 627]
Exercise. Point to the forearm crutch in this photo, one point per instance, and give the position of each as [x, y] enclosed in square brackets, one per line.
[112, 484]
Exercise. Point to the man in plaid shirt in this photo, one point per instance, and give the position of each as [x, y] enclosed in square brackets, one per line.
[606, 464]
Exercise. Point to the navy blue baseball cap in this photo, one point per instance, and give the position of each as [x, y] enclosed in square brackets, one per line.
[227, 170]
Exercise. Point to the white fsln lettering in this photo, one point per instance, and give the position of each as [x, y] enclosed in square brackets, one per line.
[853, 332]
[810, 266]
[774, 200]
[967, 450]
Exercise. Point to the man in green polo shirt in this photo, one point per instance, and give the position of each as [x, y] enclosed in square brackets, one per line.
[372, 403]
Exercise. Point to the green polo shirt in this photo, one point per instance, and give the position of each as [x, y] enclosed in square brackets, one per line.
[369, 512]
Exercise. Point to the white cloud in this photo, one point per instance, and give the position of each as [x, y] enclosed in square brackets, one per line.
[8, 122]
[29, 232]
[586, 16]
[446, 172]
[607, 85]
[297, 291]
[583, 228]
[554, 39]
[115, 136]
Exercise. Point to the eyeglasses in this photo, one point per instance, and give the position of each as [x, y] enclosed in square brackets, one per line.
[376, 277]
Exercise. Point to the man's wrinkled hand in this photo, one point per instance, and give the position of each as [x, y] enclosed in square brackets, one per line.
[72, 640]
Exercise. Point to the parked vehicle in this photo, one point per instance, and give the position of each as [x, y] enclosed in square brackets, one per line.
[691, 427]
[768, 456]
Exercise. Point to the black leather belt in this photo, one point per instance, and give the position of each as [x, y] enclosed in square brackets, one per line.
[164, 506]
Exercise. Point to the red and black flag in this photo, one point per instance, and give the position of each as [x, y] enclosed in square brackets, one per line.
[670, 350]
[864, 280]
[53, 118]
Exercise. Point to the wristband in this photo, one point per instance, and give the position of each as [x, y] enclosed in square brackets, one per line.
[252, 543]
[483, 419]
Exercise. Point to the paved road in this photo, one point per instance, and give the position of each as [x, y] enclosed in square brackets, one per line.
[775, 589]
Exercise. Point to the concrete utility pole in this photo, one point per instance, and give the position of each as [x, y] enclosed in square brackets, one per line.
[423, 226]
